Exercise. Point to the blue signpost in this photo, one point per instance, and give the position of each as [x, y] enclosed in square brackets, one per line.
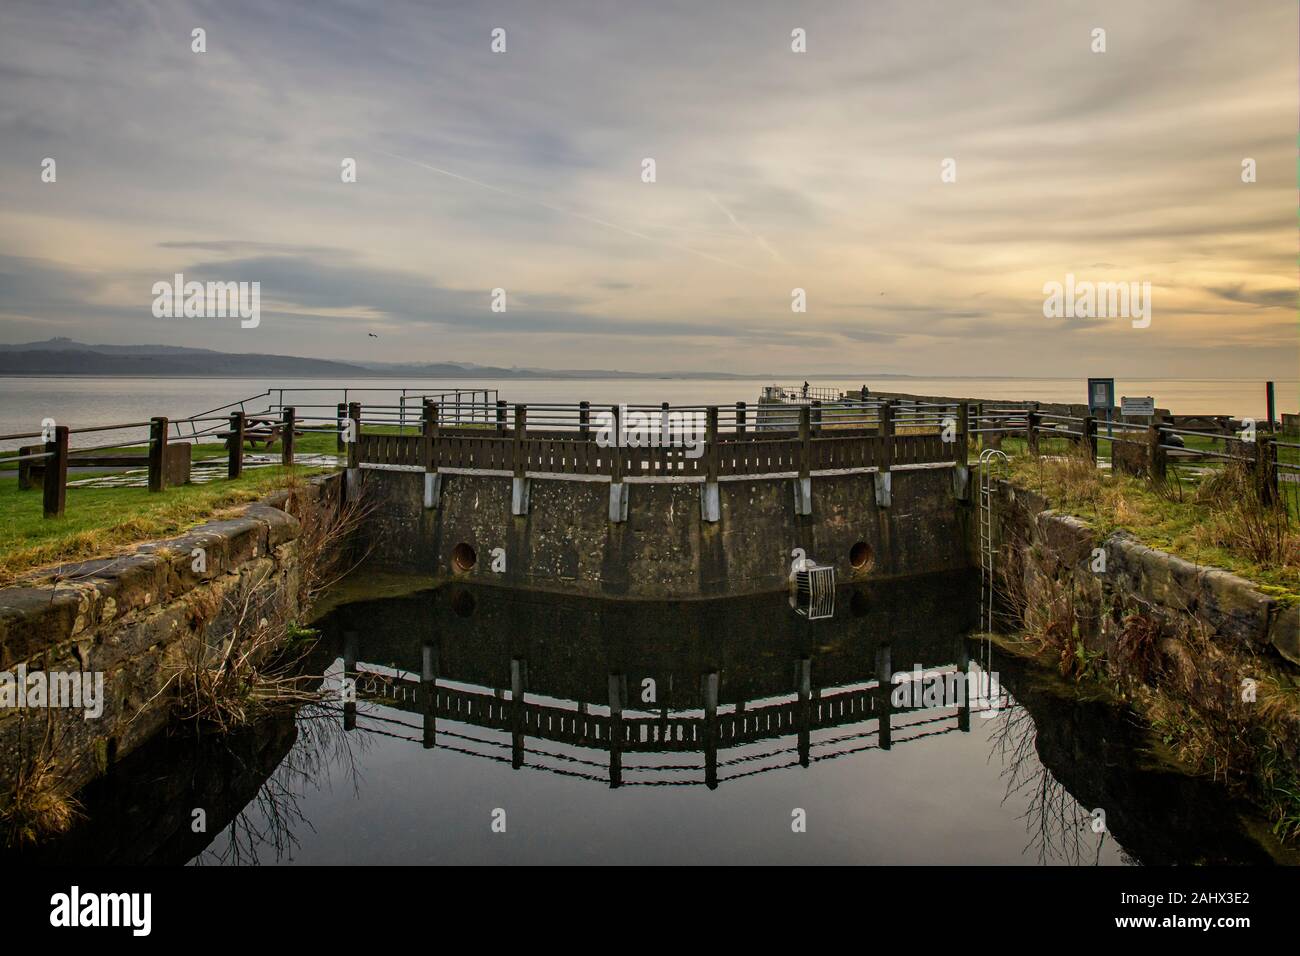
[1101, 400]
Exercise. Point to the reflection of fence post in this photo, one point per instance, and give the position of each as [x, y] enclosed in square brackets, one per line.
[429, 688]
[615, 731]
[517, 717]
[157, 454]
[350, 674]
[235, 464]
[519, 461]
[711, 730]
[1156, 457]
[25, 465]
[1090, 437]
[803, 713]
[56, 473]
[884, 679]
[1266, 468]
[805, 442]
[287, 427]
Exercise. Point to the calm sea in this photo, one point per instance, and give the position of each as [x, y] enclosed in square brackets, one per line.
[82, 401]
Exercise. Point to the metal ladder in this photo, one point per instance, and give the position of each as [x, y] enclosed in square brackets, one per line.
[992, 465]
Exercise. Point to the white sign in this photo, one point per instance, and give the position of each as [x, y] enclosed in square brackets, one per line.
[1137, 406]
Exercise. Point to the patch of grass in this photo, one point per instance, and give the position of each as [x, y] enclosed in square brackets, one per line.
[103, 521]
[40, 805]
[1222, 523]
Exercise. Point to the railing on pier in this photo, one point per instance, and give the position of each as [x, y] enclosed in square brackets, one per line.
[683, 442]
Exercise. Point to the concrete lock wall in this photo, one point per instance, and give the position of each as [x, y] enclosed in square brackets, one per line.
[567, 543]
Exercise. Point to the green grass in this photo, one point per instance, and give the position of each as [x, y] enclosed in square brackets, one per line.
[101, 521]
[1174, 521]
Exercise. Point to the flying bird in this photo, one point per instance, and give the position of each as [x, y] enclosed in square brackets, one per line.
[372, 335]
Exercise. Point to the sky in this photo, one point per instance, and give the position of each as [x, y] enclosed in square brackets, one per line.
[775, 170]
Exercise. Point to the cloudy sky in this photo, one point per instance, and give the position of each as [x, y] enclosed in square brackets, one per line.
[775, 170]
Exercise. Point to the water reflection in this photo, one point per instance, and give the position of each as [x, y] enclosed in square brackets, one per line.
[664, 733]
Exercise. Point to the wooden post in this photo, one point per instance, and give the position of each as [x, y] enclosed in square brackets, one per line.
[816, 416]
[1266, 468]
[25, 467]
[354, 449]
[519, 453]
[584, 420]
[56, 473]
[342, 417]
[711, 445]
[887, 434]
[1272, 406]
[235, 464]
[289, 424]
[961, 453]
[1031, 430]
[1156, 457]
[157, 454]
[501, 417]
[615, 452]
[805, 442]
[429, 432]
[740, 418]
[1090, 437]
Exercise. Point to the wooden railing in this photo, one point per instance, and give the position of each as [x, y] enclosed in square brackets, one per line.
[681, 442]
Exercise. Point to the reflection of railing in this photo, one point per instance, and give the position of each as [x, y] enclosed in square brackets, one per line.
[667, 734]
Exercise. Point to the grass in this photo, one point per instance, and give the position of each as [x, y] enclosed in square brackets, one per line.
[1216, 522]
[103, 521]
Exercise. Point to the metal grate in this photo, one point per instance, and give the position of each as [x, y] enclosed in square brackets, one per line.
[815, 591]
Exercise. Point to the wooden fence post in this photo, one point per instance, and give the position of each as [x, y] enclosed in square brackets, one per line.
[615, 452]
[157, 454]
[25, 467]
[354, 449]
[805, 442]
[740, 418]
[961, 453]
[518, 455]
[429, 433]
[711, 445]
[1090, 437]
[1266, 468]
[56, 473]
[584, 420]
[287, 428]
[342, 417]
[501, 417]
[816, 416]
[1157, 460]
[235, 462]
[887, 434]
[1031, 430]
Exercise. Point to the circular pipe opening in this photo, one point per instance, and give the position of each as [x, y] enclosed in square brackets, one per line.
[861, 556]
[462, 603]
[463, 558]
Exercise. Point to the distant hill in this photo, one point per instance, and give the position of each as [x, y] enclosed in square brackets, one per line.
[62, 356]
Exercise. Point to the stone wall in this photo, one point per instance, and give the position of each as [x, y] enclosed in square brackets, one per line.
[1057, 550]
[132, 618]
[567, 543]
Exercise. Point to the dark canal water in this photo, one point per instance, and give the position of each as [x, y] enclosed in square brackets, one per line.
[665, 733]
